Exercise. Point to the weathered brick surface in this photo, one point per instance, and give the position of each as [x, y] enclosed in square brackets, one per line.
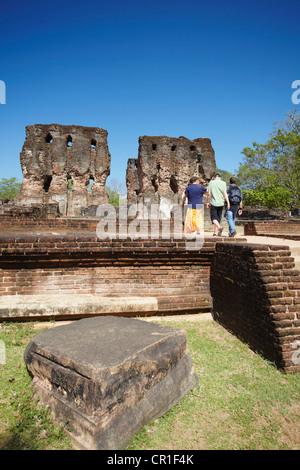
[53, 157]
[164, 269]
[288, 229]
[164, 167]
[256, 293]
[254, 290]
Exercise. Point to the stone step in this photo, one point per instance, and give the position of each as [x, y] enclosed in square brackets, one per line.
[59, 306]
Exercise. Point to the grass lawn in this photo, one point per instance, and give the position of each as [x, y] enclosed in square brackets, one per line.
[242, 401]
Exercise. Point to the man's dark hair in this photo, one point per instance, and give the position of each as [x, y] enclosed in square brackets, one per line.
[193, 179]
[232, 180]
[217, 175]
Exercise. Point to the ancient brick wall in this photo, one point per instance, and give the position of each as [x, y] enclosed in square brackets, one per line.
[66, 165]
[256, 295]
[164, 167]
[164, 269]
[289, 229]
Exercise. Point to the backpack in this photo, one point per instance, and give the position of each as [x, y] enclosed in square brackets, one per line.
[234, 195]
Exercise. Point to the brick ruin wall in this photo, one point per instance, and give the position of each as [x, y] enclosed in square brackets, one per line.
[64, 166]
[288, 229]
[256, 295]
[164, 167]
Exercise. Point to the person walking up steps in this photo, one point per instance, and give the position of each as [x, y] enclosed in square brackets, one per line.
[236, 204]
[217, 195]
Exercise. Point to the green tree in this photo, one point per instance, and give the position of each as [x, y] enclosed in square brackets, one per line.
[9, 188]
[224, 175]
[116, 192]
[273, 168]
[113, 196]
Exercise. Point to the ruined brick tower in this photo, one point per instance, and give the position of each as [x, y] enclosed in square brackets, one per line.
[64, 165]
[164, 167]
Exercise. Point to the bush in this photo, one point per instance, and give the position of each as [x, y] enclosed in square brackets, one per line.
[273, 197]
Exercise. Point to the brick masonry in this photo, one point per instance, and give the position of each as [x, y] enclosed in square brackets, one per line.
[164, 269]
[256, 295]
[288, 229]
[254, 290]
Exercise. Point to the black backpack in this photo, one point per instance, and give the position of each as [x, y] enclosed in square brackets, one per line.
[234, 195]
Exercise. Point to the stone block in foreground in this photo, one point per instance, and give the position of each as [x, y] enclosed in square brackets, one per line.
[109, 376]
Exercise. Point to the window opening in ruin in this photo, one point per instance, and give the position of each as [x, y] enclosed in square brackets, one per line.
[90, 184]
[49, 139]
[153, 146]
[93, 143]
[200, 170]
[47, 183]
[69, 183]
[158, 167]
[173, 148]
[192, 148]
[69, 141]
[174, 184]
[154, 183]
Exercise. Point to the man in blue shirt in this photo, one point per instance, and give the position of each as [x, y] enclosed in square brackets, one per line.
[194, 217]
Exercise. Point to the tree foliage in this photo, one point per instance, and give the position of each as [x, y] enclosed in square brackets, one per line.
[9, 188]
[270, 172]
[116, 192]
[224, 175]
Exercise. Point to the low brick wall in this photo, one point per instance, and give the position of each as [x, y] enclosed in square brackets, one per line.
[18, 223]
[163, 269]
[253, 290]
[289, 229]
[256, 295]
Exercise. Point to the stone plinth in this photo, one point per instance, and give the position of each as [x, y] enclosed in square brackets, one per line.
[110, 376]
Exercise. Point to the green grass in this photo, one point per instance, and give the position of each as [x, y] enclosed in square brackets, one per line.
[242, 401]
[25, 424]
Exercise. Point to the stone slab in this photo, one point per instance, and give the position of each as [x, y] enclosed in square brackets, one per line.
[109, 376]
[70, 305]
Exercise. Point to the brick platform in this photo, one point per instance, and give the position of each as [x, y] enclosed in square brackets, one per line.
[287, 229]
[82, 265]
[62, 270]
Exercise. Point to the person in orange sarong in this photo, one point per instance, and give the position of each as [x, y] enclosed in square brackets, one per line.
[194, 216]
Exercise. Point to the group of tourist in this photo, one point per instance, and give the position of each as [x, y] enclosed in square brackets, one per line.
[218, 196]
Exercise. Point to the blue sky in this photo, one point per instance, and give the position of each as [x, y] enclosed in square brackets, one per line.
[217, 69]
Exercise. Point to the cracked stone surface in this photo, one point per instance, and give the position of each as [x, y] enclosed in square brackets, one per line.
[109, 376]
